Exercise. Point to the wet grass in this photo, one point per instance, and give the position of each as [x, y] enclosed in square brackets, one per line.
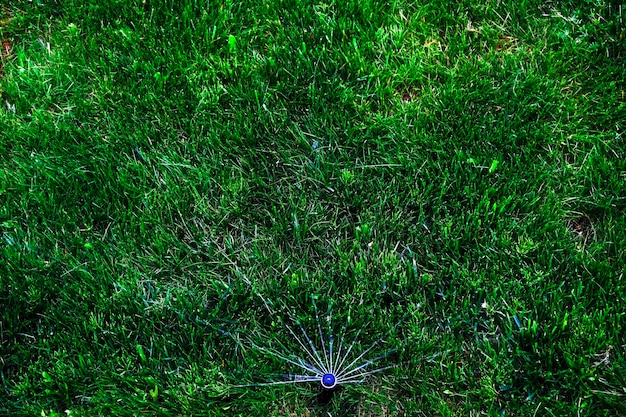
[459, 163]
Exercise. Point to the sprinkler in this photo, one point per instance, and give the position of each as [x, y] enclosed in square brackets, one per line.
[332, 363]
[329, 381]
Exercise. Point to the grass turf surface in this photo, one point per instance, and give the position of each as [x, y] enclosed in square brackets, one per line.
[162, 162]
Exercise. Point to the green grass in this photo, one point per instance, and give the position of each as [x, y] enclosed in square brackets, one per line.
[163, 161]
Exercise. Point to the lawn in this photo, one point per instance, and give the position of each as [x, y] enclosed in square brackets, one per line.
[183, 182]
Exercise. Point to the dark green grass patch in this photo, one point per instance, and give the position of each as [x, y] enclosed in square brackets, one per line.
[458, 165]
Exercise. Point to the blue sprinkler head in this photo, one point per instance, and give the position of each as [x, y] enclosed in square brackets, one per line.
[329, 381]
